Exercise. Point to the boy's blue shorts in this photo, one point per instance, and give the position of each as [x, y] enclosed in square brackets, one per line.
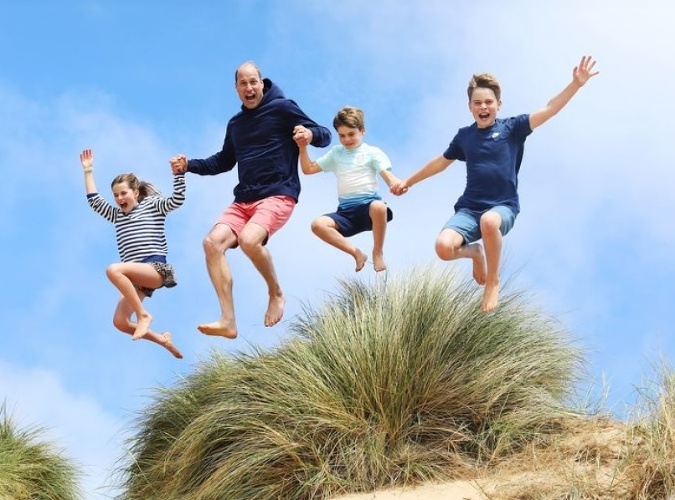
[356, 219]
[467, 222]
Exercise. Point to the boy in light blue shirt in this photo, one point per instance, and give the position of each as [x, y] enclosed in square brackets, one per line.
[356, 165]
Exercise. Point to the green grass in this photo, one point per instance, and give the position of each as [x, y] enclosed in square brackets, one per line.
[31, 468]
[383, 384]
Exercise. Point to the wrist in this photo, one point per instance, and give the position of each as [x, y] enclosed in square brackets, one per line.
[88, 170]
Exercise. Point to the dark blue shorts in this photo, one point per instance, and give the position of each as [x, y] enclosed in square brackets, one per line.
[355, 220]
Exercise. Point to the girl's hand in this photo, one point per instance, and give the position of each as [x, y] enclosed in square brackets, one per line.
[87, 160]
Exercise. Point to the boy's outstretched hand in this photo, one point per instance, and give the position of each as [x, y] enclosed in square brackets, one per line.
[399, 188]
[584, 71]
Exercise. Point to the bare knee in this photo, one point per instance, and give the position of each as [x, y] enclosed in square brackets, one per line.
[319, 226]
[490, 222]
[122, 323]
[445, 251]
[249, 244]
[448, 244]
[112, 270]
[213, 245]
[377, 209]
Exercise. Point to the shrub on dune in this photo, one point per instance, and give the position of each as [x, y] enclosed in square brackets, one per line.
[30, 468]
[387, 383]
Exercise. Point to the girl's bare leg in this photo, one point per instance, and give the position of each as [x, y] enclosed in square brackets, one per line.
[122, 321]
[326, 229]
[124, 275]
[378, 215]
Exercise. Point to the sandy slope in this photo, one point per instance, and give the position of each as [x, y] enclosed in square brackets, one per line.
[455, 490]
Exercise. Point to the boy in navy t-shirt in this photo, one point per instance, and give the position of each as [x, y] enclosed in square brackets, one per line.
[493, 150]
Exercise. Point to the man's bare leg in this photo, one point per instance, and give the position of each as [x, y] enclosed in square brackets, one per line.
[219, 239]
[251, 241]
[378, 216]
[122, 321]
[450, 246]
[326, 229]
[490, 223]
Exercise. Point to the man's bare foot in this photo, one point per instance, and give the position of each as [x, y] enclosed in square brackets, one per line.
[220, 328]
[490, 297]
[478, 258]
[361, 259]
[142, 326]
[275, 309]
[378, 262]
[169, 345]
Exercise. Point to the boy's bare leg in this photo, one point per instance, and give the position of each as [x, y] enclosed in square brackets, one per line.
[122, 321]
[220, 238]
[251, 242]
[326, 229]
[490, 224]
[450, 246]
[123, 275]
[378, 216]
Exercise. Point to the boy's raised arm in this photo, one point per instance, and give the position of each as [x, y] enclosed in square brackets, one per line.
[306, 164]
[580, 75]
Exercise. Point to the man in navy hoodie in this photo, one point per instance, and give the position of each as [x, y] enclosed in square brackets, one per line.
[261, 141]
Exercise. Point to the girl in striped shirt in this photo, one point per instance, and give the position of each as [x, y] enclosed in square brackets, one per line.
[141, 241]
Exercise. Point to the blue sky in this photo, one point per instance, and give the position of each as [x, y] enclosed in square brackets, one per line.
[141, 81]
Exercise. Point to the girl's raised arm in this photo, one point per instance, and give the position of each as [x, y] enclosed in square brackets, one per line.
[87, 161]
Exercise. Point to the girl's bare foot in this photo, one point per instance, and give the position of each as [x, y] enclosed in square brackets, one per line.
[169, 345]
[275, 309]
[378, 262]
[361, 259]
[142, 326]
[490, 297]
[220, 328]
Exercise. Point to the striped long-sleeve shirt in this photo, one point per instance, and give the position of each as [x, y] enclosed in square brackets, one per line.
[141, 232]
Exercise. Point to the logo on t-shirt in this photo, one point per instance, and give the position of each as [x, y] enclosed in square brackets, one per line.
[495, 135]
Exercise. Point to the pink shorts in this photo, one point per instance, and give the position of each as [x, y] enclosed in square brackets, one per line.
[269, 213]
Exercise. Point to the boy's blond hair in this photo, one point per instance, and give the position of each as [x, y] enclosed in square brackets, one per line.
[349, 116]
[486, 81]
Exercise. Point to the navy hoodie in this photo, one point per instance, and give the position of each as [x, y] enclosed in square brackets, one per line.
[260, 141]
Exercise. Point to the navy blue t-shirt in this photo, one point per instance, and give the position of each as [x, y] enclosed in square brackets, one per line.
[493, 156]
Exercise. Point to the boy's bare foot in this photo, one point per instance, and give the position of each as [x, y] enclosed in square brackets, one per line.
[490, 297]
[142, 326]
[479, 269]
[378, 262]
[361, 259]
[275, 309]
[220, 328]
[169, 345]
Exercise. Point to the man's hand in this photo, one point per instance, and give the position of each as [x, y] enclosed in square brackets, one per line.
[178, 164]
[302, 135]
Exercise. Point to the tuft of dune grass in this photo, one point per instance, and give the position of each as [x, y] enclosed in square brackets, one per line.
[31, 468]
[388, 383]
